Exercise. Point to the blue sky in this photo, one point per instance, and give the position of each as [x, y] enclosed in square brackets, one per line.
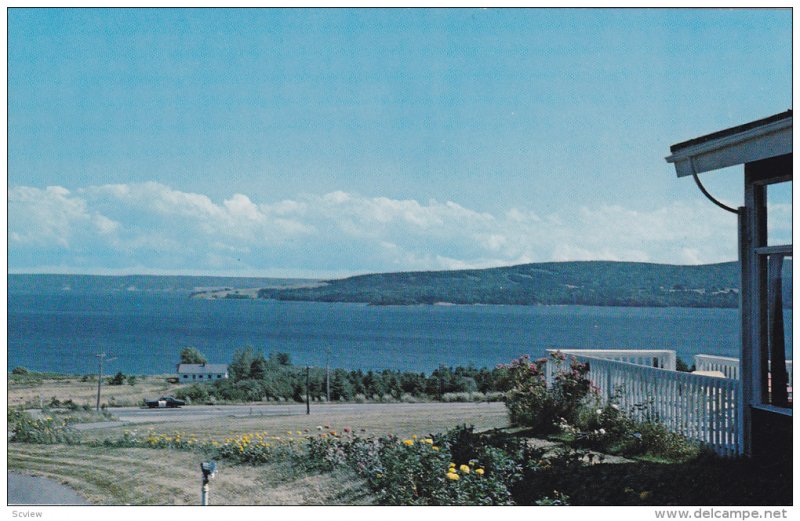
[331, 142]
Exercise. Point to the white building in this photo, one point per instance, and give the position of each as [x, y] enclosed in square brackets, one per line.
[194, 373]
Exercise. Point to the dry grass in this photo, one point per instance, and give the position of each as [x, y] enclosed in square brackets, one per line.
[169, 477]
[36, 391]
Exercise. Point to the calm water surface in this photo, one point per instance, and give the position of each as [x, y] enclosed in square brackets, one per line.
[61, 330]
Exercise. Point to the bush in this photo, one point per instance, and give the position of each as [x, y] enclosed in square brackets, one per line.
[682, 366]
[610, 430]
[456, 468]
[25, 429]
[20, 371]
[532, 404]
[117, 379]
[197, 393]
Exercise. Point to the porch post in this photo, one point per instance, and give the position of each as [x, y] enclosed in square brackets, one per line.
[753, 298]
[745, 397]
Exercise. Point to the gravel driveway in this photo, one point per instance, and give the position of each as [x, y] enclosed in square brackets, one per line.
[35, 490]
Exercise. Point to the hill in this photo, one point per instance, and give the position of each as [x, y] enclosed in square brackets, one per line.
[37, 283]
[597, 283]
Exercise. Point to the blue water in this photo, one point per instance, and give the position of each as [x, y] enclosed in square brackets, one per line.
[61, 330]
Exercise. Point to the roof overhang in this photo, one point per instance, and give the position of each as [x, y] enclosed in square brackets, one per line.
[762, 139]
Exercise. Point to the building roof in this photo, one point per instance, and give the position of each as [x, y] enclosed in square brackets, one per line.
[202, 368]
[753, 141]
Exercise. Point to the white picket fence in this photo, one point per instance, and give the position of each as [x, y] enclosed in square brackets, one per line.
[724, 364]
[702, 408]
[663, 358]
[728, 366]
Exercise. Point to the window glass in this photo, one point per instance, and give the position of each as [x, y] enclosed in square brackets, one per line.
[779, 213]
[779, 328]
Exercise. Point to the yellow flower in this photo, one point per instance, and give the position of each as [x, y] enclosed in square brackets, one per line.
[414, 437]
[428, 441]
[408, 443]
[452, 465]
[435, 447]
[453, 476]
[464, 469]
[299, 433]
[479, 472]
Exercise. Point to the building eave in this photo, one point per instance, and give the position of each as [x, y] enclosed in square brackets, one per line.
[770, 139]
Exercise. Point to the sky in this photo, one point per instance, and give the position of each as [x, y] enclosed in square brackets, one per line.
[323, 143]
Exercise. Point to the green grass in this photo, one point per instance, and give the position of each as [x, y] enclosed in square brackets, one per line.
[34, 378]
[122, 476]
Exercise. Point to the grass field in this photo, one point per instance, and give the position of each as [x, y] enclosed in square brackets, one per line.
[121, 476]
[36, 390]
[399, 419]
[169, 477]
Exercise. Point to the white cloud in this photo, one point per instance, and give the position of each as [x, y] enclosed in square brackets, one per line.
[53, 216]
[158, 227]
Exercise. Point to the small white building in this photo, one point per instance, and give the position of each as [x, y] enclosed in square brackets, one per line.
[195, 373]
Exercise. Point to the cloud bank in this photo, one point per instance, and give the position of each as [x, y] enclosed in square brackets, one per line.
[153, 228]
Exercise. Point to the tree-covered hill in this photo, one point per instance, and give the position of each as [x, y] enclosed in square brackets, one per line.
[599, 283]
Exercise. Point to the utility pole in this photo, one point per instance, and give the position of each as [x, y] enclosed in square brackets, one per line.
[328, 375]
[308, 398]
[100, 358]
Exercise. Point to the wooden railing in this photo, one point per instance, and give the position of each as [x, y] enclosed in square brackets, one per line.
[724, 364]
[702, 408]
[729, 366]
[661, 358]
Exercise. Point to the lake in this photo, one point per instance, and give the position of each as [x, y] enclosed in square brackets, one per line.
[61, 330]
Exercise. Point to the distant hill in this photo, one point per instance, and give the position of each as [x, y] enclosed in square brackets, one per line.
[596, 283]
[33, 283]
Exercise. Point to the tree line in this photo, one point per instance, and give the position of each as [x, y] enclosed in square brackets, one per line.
[255, 377]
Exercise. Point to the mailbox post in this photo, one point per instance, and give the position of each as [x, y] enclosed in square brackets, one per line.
[209, 469]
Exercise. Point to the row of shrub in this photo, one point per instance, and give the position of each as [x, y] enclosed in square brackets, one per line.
[256, 378]
[459, 467]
